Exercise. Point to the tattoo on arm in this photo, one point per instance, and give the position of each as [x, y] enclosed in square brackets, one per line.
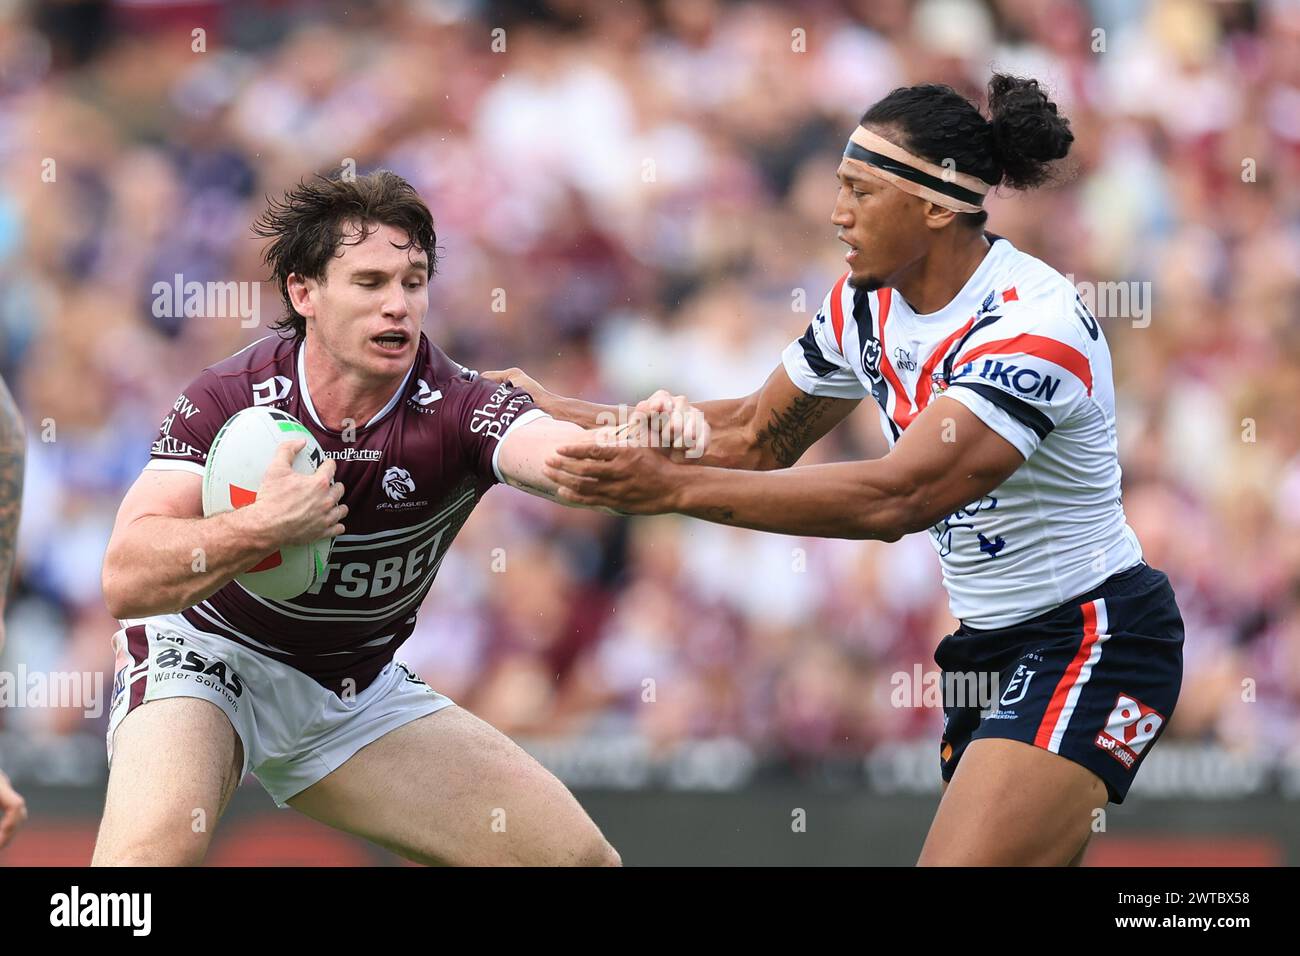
[790, 431]
[12, 454]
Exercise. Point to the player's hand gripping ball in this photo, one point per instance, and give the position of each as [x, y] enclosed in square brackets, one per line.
[237, 462]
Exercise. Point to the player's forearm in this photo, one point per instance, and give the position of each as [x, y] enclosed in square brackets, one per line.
[586, 415]
[13, 452]
[734, 442]
[523, 458]
[161, 564]
[735, 435]
[849, 500]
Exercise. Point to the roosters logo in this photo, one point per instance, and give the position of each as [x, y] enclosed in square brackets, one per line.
[398, 483]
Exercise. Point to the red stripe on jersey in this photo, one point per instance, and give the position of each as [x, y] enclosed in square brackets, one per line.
[926, 384]
[1009, 295]
[837, 313]
[903, 415]
[1071, 676]
[1039, 346]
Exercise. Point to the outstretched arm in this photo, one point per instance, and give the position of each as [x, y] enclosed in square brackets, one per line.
[946, 459]
[768, 429]
[523, 452]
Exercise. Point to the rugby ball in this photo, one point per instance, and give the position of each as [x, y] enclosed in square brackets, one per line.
[237, 461]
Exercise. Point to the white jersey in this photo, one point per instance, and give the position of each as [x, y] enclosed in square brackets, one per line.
[1018, 347]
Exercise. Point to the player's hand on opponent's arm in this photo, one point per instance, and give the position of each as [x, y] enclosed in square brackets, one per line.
[625, 478]
[575, 410]
[671, 423]
[663, 420]
[13, 810]
[298, 509]
[766, 430]
[521, 379]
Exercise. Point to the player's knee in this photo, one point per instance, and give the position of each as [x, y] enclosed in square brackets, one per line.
[599, 852]
[170, 839]
[152, 853]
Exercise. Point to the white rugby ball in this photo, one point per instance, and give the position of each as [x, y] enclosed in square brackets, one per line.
[237, 461]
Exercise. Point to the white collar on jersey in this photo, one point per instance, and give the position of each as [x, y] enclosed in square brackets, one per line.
[311, 409]
[967, 301]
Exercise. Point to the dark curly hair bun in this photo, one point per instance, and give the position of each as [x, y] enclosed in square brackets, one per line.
[1028, 132]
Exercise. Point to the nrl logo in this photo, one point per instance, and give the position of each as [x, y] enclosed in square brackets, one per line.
[871, 357]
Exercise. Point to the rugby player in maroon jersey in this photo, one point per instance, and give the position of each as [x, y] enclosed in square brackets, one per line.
[213, 681]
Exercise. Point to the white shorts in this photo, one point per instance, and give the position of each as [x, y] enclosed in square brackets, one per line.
[294, 731]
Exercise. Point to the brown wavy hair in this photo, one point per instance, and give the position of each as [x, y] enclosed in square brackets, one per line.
[315, 217]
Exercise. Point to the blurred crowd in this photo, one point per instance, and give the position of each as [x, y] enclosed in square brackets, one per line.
[637, 194]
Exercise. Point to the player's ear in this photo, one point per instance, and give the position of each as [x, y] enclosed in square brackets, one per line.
[936, 216]
[299, 294]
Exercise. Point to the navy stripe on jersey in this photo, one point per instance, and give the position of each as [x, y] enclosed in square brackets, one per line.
[1020, 410]
[866, 331]
[812, 354]
[961, 343]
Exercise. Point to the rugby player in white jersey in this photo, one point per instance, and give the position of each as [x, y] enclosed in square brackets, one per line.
[213, 681]
[993, 384]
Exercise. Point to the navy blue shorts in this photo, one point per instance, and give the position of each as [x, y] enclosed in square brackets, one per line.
[1094, 680]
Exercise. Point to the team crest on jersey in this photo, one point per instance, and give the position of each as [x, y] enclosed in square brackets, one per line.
[399, 486]
[398, 483]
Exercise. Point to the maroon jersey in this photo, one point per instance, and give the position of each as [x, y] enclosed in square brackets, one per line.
[411, 477]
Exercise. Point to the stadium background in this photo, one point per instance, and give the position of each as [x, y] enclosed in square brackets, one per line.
[650, 185]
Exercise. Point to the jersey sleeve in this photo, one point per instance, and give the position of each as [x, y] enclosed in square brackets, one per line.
[488, 410]
[185, 435]
[1022, 381]
[815, 362]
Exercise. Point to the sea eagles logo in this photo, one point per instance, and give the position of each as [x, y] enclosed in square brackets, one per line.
[398, 483]
[871, 357]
